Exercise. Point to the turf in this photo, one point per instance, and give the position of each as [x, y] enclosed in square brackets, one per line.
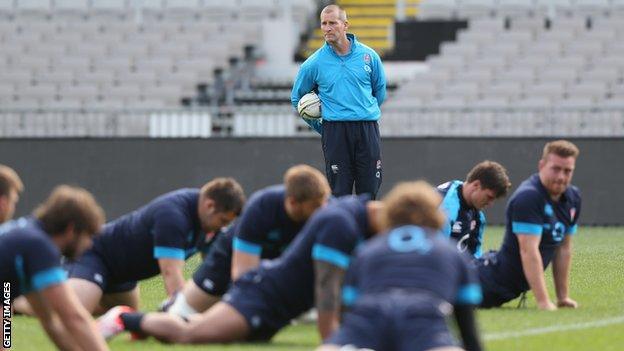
[597, 283]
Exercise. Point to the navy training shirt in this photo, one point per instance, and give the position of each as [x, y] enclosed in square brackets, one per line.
[330, 235]
[167, 227]
[465, 223]
[531, 211]
[29, 260]
[419, 263]
[264, 228]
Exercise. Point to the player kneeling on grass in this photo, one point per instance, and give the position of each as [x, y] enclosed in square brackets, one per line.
[269, 222]
[463, 203]
[541, 218]
[156, 238]
[30, 260]
[264, 300]
[401, 285]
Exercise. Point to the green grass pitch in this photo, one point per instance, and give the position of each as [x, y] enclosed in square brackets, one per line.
[597, 283]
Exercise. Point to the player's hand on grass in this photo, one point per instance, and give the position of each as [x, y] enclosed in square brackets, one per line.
[567, 302]
[546, 306]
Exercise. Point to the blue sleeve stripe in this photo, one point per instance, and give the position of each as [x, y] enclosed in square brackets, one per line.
[330, 255]
[450, 205]
[51, 276]
[572, 230]
[526, 228]
[469, 295]
[173, 253]
[349, 295]
[246, 246]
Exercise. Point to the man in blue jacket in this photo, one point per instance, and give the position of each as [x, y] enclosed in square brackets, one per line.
[349, 79]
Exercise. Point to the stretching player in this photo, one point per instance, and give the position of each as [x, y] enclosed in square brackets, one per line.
[464, 202]
[401, 286]
[156, 238]
[269, 222]
[10, 188]
[542, 216]
[267, 298]
[30, 262]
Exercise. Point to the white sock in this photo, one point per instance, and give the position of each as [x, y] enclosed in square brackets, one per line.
[181, 307]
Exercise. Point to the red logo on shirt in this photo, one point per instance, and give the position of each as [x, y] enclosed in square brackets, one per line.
[572, 212]
[367, 58]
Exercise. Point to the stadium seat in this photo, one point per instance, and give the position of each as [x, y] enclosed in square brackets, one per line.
[440, 9]
[475, 8]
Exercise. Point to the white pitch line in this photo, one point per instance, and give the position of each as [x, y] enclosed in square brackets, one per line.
[554, 329]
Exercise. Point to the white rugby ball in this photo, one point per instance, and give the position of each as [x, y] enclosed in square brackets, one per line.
[309, 106]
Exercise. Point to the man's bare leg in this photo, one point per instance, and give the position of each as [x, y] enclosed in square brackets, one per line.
[89, 293]
[127, 298]
[192, 300]
[220, 324]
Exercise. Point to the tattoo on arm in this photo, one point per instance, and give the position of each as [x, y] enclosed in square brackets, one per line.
[327, 286]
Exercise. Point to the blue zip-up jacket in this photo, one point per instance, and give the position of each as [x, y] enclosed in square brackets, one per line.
[351, 87]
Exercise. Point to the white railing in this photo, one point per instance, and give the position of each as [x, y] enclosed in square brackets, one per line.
[264, 122]
[516, 122]
[163, 123]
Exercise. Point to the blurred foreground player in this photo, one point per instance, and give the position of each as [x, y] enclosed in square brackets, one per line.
[463, 203]
[264, 300]
[10, 188]
[541, 218]
[401, 286]
[155, 239]
[30, 261]
[270, 221]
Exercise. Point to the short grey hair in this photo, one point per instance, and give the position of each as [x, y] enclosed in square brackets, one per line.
[342, 14]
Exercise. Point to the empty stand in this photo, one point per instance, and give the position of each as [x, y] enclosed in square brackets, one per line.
[123, 53]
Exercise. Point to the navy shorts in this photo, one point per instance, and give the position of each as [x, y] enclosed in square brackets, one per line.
[214, 274]
[91, 267]
[352, 151]
[494, 295]
[259, 308]
[385, 325]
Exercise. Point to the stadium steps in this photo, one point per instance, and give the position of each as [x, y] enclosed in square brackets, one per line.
[372, 21]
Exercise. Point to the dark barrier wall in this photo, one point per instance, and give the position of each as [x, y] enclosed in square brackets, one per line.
[126, 173]
[415, 40]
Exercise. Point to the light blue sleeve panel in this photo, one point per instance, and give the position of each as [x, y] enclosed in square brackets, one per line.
[48, 277]
[349, 295]
[305, 81]
[173, 253]
[450, 206]
[572, 230]
[330, 255]
[316, 124]
[378, 80]
[247, 247]
[526, 228]
[469, 294]
[478, 250]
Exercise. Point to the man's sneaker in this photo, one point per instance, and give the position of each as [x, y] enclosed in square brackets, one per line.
[110, 323]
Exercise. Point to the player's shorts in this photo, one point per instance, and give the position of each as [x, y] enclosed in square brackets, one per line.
[213, 275]
[494, 295]
[389, 323]
[260, 309]
[91, 267]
